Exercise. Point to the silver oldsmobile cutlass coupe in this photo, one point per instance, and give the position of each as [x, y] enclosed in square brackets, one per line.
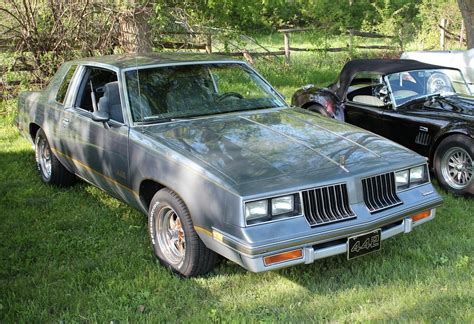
[221, 164]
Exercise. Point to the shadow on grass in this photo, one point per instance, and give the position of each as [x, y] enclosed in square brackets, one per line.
[78, 254]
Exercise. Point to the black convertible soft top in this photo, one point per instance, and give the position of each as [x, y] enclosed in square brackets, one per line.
[382, 66]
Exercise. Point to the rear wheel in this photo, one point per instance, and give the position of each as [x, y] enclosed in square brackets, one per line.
[50, 169]
[317, 108]
[454, 164]
[173, 238]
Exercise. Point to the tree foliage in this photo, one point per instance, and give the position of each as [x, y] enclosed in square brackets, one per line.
[430, 13]
[47, 32]
[51, 31]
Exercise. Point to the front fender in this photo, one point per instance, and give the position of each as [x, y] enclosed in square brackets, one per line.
[210, 201]
[463, 127]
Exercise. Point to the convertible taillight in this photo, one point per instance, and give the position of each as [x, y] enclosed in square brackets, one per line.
[330, 106]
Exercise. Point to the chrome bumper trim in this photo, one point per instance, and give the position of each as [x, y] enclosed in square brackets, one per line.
[311, 254]
[247, 250]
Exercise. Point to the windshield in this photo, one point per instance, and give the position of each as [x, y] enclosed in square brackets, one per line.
[184, 91]
[410, 85]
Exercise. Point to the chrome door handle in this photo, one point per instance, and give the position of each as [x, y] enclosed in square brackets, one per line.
[65, 122]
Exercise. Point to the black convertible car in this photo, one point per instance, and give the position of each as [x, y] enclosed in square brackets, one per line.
[427, 108]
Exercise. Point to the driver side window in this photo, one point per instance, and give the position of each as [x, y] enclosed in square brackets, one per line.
[364, 89]
[99, 88]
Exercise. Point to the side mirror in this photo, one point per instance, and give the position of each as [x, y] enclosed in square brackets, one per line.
[100, 116]
[383, 95]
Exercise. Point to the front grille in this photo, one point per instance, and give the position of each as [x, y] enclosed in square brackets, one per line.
[327, 205]
[380, 192]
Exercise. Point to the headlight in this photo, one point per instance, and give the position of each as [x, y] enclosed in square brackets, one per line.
[401, 179]
[272, 209]
[283, 205]
[256, 209]
[411, 177]
[418, 175]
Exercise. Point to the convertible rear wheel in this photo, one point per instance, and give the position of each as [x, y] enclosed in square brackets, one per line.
[173, 238]
[454, 164]
[50, 169]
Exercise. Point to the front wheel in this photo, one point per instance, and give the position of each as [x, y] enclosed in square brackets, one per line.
[454, 164]
[173, 238]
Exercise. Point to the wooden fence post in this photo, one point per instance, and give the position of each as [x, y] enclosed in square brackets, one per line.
[286, 41]
[208, 44]
[442, 34]
[400, 39]
[351, 41]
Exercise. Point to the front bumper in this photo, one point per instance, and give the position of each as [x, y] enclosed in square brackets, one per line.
[327, 249]
[316, 247]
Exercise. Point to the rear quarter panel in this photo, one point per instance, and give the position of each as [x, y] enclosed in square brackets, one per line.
[312, 95]
[40, 110]
[27, 112]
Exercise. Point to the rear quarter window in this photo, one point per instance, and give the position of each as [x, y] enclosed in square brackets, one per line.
[61, 94]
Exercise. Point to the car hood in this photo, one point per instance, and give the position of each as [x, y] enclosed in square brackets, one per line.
[249, 147]
[459, 106]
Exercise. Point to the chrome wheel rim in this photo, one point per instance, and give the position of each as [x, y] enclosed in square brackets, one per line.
[170, 235]
[457, 167]
[43, 157]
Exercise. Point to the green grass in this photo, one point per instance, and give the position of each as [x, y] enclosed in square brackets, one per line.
[79, 255]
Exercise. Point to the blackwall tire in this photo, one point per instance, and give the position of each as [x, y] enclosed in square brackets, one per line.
[454, 164]
[174, 239]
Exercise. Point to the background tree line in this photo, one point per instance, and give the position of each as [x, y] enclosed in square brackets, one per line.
[51, 31]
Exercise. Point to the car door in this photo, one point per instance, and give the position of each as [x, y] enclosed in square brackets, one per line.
[410, 127]
[364, 115]
[98, 151]
[361, 107]
[408, 121]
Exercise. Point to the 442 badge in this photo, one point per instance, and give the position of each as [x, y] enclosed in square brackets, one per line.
[362, 244]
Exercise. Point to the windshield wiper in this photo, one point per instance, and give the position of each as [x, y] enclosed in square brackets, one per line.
[156, 120]
[422, 99]
[256, 108]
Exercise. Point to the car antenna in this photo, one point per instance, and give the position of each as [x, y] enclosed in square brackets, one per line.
[94, 103]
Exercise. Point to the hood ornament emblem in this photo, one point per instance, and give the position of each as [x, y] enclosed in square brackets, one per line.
[342, 160]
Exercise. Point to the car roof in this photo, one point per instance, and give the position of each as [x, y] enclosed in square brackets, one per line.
[132, 60]
[382, 66]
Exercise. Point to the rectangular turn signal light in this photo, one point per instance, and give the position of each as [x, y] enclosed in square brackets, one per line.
[421, 215]
[283, 257]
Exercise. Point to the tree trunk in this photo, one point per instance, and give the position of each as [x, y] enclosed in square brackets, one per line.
[135, 35]
[467, 11]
